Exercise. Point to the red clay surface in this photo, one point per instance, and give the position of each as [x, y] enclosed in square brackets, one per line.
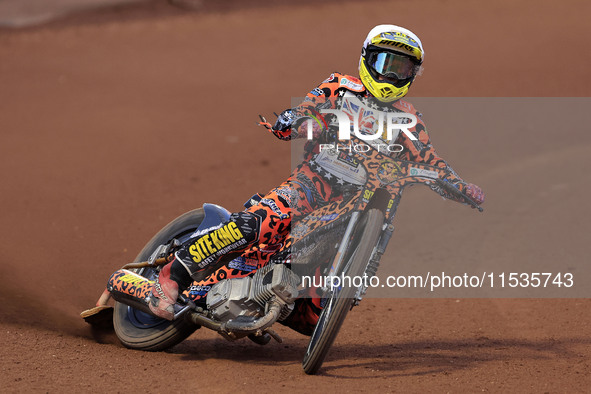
[110, 126]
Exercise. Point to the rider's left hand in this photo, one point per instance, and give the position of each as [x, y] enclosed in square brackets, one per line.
[475, 193]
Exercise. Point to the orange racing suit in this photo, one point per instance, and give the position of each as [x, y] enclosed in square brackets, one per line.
[313, 183]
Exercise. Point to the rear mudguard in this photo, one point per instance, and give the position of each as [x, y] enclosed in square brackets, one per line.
[214, 216]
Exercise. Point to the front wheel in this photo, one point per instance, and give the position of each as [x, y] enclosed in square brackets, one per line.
[340, 301]
[139, 330]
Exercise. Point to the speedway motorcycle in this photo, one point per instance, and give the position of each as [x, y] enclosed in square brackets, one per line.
[244, 297]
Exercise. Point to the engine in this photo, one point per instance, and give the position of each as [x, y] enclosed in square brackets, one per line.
[230, 298]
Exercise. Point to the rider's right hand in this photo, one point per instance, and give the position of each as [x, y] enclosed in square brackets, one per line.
[475, 193]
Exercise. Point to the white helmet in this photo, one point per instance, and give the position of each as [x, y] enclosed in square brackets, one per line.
[390, 59]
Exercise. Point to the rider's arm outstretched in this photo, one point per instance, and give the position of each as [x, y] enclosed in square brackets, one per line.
[422, 151]
[291, 123]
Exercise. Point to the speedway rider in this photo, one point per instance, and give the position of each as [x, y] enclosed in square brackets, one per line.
[391, 57]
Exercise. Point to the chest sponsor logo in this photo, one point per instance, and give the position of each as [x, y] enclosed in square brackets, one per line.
[345, 158]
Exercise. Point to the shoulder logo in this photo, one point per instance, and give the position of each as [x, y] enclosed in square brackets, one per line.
[351, 85]
[404, 105]
[329, 79]
[317, 92]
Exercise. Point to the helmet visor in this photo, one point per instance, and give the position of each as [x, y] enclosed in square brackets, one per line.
[392, 65]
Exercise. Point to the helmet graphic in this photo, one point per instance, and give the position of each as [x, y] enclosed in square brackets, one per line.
[390, 59]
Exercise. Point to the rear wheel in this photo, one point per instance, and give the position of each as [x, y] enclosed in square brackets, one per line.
[139, 330]
[340, 301]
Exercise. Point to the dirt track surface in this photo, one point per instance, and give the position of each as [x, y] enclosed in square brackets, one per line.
[109, 130]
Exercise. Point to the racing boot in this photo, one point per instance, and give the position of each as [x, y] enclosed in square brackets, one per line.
[200, 256]
[166, 291]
